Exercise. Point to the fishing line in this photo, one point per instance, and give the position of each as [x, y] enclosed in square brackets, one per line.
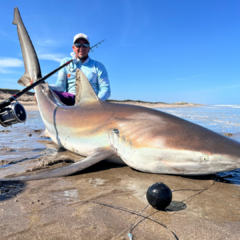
[149, 217]
[200, 191]
[140, 214]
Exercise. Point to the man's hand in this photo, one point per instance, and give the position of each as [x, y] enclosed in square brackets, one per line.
[31, 82]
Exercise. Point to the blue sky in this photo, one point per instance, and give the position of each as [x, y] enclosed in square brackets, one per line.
[155, 50]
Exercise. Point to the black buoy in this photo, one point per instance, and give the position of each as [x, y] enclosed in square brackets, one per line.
[159, 195]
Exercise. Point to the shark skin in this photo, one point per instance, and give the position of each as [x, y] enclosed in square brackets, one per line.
[145, 139]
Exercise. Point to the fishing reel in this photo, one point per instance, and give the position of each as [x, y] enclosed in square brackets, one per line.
[12, 114]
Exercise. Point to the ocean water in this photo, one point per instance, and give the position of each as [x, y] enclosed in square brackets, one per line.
[22, 141]
[218, 118]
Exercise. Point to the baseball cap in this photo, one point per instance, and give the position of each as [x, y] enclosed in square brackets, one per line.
[81, 36]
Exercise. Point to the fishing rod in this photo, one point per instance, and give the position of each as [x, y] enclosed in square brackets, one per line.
[12, 113]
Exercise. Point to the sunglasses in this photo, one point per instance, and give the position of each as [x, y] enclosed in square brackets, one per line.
[78, 45]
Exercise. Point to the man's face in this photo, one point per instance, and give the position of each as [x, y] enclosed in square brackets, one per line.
[82, 51]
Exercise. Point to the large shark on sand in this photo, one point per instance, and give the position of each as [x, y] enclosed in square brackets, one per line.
[143, 138]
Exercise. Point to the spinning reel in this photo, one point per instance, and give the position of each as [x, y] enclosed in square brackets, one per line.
[12, 114]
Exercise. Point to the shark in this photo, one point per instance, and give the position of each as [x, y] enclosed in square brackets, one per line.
[145, 139]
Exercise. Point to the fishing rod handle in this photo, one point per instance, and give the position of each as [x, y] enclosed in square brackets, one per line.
[5, 103]
[42, 79]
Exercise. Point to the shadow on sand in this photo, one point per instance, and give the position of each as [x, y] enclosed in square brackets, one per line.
[10, 189]
[99, 167]
[224, 177]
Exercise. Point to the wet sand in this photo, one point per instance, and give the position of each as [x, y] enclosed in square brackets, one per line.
[106, 199]
[103, 201]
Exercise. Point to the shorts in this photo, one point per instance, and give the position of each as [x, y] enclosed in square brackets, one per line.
[65, 97]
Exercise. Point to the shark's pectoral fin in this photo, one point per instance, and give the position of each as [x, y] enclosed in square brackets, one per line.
[84, 90]
[97, 156]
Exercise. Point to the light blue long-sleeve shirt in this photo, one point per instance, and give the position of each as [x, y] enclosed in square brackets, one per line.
[95, 72]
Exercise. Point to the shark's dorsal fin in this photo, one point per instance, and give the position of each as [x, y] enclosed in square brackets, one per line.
[84, 90]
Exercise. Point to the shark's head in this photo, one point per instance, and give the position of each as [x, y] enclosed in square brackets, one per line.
[167, 144]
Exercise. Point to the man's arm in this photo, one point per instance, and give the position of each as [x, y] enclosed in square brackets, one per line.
[103, 84]
[31, 82]
[61, 83]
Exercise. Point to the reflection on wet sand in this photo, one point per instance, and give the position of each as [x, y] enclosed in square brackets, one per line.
[10, 189]
[23, 150]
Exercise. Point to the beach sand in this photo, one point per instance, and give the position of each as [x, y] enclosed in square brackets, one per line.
[103, 201]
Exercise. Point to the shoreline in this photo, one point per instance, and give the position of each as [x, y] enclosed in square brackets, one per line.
[32, 105]
[155, 104]
[27, 100]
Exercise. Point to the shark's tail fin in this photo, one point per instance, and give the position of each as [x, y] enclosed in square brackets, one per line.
[31, 63]
[24, 80]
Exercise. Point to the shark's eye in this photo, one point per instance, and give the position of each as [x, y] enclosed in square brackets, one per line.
[205, 157]
[116, 131]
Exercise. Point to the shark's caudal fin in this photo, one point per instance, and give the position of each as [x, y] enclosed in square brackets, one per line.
[16, 16]
[24, 80]
[31, 64]
[84, 90]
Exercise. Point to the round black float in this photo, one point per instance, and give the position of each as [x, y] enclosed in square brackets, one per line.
[159, 195]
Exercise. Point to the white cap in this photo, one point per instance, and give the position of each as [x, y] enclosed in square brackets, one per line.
[81, 36]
